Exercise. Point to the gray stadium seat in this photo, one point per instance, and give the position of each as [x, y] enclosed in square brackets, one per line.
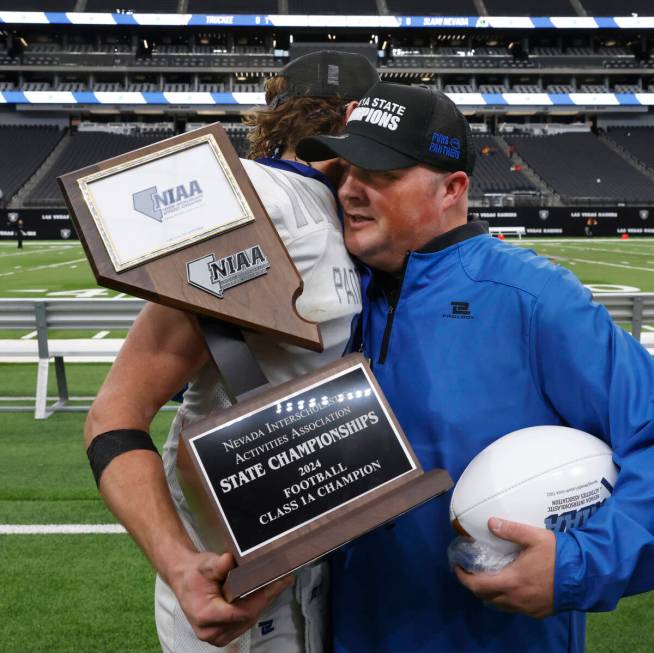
[529, 8]
[493, 173]
[29, 147]
[147, 6]
[582, 169]
[84, 149]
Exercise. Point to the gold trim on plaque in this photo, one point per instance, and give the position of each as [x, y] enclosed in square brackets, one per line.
[187, 239]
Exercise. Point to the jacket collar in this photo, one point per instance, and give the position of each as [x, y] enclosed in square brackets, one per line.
[454, 236]
[375, 281]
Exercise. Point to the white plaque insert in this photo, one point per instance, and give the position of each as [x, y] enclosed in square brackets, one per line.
[164, 201]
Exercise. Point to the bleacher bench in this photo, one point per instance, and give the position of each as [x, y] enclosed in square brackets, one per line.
[507, 231]
[45, 315]
[635, 309]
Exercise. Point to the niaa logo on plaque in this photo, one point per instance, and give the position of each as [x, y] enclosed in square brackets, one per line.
[169, 202]
[215, 277]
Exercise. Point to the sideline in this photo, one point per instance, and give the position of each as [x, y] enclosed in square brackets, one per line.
[61, 529]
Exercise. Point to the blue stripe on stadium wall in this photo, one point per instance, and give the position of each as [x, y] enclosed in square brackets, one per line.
[225, 98]
[84, 97]
[253, 20]
[606, 23]
[542, 23]
[124, 19]
[14, 97]
[561, 99]
[57, 18]
[212, 99]
[153, 97]
[627, 99]
[494, 99]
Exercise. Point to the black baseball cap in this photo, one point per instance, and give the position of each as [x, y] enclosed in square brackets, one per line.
[328, 73]
[397, 126]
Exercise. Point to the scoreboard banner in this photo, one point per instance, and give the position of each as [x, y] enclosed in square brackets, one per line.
[119, 98]
[37, 224]
[304, 20]
[554, 221]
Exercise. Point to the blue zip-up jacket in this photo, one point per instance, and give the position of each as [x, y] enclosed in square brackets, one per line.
[484, 339]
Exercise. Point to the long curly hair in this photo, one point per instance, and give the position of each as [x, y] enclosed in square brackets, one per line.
[283, 126]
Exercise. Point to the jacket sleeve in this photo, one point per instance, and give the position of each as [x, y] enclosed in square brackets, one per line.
[599, 380]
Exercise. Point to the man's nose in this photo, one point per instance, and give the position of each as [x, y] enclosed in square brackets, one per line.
[351, 190]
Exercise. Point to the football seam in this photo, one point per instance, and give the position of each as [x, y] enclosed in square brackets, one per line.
[526, 480]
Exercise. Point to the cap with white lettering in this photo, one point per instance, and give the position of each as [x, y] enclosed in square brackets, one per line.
[398, 126]
[328, 73]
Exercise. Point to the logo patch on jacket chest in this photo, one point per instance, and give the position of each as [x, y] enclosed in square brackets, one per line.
[459, 311]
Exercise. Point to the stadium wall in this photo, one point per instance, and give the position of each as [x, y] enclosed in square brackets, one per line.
[55, 224]
[572, 221]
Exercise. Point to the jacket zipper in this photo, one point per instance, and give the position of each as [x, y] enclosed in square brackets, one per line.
[390, 314]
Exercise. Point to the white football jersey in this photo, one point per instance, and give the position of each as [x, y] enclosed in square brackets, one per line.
[304, 213]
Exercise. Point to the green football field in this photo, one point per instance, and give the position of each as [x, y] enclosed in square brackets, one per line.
[59, 269]
[87, 593]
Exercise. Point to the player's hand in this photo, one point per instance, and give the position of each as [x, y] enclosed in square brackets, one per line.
[527, 584]
[198, 588]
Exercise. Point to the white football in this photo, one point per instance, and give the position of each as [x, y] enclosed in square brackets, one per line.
[549, 476]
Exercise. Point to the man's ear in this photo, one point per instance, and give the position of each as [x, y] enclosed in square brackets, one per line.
[349, 108]
[456, 185]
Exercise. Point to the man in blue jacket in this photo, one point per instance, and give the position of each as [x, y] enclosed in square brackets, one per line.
[471, 339]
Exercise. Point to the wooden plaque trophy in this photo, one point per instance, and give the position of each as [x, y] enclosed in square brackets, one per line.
[288, 473]
[179, 223]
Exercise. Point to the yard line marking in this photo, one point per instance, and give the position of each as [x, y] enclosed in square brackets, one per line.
[29, 336]
[612, 265]
[99, 335]
[647, 327]
[35, 251]
[45, 267]
[60, 529]
[609, 251]
[35, 290]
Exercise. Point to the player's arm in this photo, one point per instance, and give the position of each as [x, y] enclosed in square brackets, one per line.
[162, 351]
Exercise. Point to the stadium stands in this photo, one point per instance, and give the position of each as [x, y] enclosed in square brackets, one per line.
[342, 7]
[529, 8]
[432, 7]
[611, 8]
[25, 149]
[233, 7]
[494, 170]
[149, 6]
[84, 149]
[238, 136]
[637, 141]
[583, 170]
[37, 5]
